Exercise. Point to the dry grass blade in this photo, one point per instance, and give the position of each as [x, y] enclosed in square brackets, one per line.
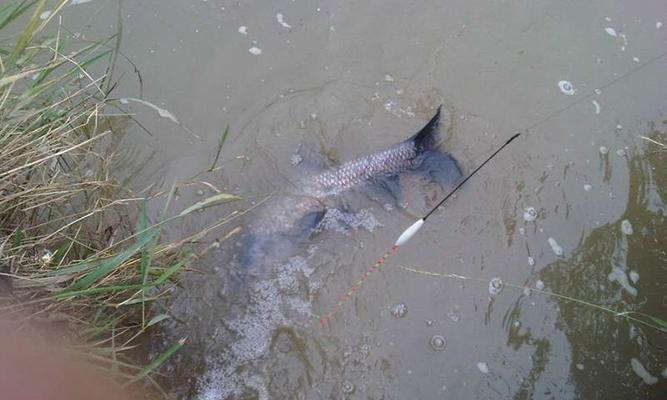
[66, 245]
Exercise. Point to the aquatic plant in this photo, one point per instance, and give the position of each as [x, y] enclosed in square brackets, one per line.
[71, 255]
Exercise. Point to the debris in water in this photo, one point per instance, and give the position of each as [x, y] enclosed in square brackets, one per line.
[634, 276]
[619, 127]
[255, 51]
[281, 21]
[603, 150]
[200, 192]
[161, 111]
[388, 78]
[641, 372]
[45, 15]
[529, 214]
[495, 286]
[658, 25]
[398, 310]
[580, 367]
[555, 247]
[539, 284]
[588, 187]
[483, 368]
[438, 342]
[620, 152]
[597, 106]
[566, 87]
[626, 227]
[635, 59]
[531, 261]
[243, 30]
[77, 2]
[611, 31]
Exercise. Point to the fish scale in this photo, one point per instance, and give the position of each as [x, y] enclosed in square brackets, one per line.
[352, 173]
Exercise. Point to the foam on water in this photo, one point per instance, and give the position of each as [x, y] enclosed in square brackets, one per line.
[272, 301]
[342, 222]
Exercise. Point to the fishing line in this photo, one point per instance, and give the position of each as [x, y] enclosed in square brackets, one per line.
[403, 238]
[407, 234]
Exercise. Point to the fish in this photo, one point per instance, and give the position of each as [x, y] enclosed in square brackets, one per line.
[287, 224]
[257, 287]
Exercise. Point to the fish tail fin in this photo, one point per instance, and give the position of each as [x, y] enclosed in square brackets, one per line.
[428, 137]
[435, 164]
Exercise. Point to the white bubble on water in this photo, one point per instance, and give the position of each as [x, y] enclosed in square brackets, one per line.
[611, 31]
[566, 87]
[529, 214]
[604, 150]
[641, 372]
[398, 310]
[255, 51]
[388, 78]
[626, 227]
[539, 284]
[531, 261]
[281, 20]
[555, 247]
[634, 276]
[438, 342]
[580, 367]
[620, 152]
[588, 187]
[243, 30]
[495, 286]
[483, 368]
[658, 25]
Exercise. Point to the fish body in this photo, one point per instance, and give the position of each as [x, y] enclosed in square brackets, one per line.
[286, 223]
[232, 329]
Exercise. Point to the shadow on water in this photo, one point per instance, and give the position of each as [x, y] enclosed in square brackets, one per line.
[621, 266]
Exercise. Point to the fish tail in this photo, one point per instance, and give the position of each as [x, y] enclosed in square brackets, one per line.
[428, 137]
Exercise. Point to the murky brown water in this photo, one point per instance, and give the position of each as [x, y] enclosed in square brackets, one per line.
[349, 78]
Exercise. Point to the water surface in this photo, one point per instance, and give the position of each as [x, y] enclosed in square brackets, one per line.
[343, 79]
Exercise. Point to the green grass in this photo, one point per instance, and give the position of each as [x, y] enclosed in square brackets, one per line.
[67, 248]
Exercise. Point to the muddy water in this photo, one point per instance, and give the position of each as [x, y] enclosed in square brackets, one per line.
[324, 82]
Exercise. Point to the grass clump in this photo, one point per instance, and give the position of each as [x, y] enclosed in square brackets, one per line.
[77, 250]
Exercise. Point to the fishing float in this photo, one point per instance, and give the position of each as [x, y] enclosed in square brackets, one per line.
[405, 236]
